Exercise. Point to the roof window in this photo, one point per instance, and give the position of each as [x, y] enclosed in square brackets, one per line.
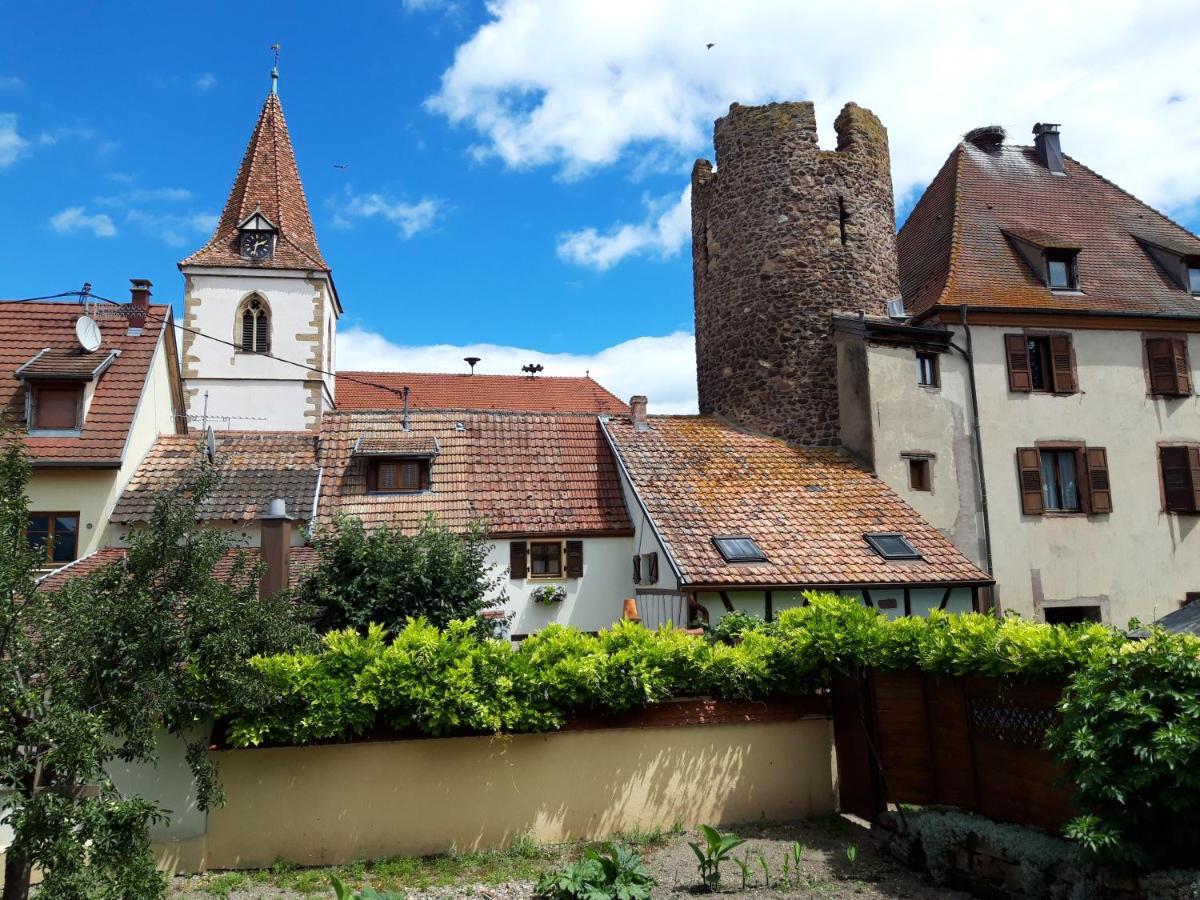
[1061, 270]
[739, 549]
[1193, 275]
[891, 545]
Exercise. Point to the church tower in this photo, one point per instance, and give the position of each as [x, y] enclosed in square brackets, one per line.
[261, 287]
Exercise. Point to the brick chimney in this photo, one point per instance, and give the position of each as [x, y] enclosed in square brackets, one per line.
[637, 412]
[1049, 150]
[139, 291]
[276, 548]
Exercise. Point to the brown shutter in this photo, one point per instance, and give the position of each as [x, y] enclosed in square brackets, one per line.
[652, 566]
[516, 559]
[1029, 470]
[637, 570]
[1100, 488]
[56, 407]
[1193, 456]
[410, 476]
[1060, 362]
[1019, 378]
[1183, 373]
[1178, 482]
[574, 559]
[1160, 357]
[385, 476]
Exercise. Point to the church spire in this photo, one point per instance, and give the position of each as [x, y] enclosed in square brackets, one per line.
[269, 182]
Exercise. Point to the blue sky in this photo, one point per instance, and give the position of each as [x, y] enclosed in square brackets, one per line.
[516, 172]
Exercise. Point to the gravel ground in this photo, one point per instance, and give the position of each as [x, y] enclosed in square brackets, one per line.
[824, 870]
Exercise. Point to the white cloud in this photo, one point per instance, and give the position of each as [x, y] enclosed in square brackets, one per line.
[207, 81]
[137, 196]
[579, 84]
[75, 219]
[11, 83]
[667, 226]
[12, 145]
[173, 229]
[662, 367]
[409, 218]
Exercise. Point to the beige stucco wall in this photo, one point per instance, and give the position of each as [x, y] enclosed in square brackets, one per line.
[335, 804]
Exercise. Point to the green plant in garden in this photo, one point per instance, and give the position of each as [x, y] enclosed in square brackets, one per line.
[611, 871]
[1130, 736]
[762, 864]
[548, 594]
[743, 865]
[341, 892]
[733, 624]
[716, 850]
[852, 853]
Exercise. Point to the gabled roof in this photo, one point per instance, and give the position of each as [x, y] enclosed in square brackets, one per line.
[518, 473]
[806, 508]
[28, 328]
[268, 181]
[510, 393]
[953, 247]
[65, 364]
[255, 468]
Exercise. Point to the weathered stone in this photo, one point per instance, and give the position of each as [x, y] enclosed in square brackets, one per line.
[800, 233]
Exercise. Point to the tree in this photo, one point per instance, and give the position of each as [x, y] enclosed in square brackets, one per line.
[386, 577]
[89, 673]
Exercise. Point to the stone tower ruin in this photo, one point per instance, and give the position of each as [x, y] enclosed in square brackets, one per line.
[784, 234]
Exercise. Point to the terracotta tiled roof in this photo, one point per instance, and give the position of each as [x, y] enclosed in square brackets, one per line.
[517, 473]
[301, 560]
[396, 445]
[27, 328]
[511, 393]
[953, 248]
[72, 364]
[806, 508]
[267, 180]
[255, 468]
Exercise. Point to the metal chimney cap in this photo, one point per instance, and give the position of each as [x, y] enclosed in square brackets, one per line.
[277, 509]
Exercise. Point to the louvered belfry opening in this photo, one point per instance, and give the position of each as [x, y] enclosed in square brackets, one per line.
[256, 327]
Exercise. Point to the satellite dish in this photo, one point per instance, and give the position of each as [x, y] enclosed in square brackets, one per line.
[88, 333]
[210, 444]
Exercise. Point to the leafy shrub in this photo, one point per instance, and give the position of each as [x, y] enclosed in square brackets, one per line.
[610, 872]
[717, 849]
[1130, 734]
[732, 625]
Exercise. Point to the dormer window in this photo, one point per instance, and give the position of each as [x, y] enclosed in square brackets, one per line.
[55, 407]
[256, 237]
[55, 387]
[1193, 276]
[1053, 259]
[397, 463]
[1177, 259]
[1061, 270]
[397, 476]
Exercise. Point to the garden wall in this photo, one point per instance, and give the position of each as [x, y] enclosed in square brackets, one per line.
[681, 763]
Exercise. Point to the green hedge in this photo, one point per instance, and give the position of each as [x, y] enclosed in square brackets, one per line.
[451, 681]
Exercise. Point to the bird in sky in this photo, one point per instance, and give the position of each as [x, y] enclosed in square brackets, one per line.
[341, 165]
[709, 46]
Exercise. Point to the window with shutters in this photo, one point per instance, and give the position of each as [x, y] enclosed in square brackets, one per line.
[1064, 478]
[650, 567]
[1041, 363]
[55, 535]
[637, 569]
[1179, 467]
[55, 407]
[545, 559]
[254, 326]
[397, 476]
[1167, 367]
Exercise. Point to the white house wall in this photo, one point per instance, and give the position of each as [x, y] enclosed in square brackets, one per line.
[921, 601]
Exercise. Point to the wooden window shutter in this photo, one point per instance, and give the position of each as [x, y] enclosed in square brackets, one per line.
[1183, 372]
[1178, 483]
[1029, 468]
[56, 407]
[1160, 357]
[517, 555]
[1019, 378]
[652, 566]
[1193, 455]
[637, 569]
[262, 334]
[411, 476]
[574, 559]
[1060, 362]
[1099, 485]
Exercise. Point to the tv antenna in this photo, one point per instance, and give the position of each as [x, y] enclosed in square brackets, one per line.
[532, 369]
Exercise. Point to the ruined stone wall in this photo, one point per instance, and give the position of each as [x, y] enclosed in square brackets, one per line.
[785, 234]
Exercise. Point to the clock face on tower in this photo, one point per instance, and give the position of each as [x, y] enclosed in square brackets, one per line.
[257, 244]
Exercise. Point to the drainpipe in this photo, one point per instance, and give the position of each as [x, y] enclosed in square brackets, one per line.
[969, 355]
[405, 420]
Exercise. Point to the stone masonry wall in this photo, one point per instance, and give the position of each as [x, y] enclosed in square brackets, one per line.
[785, 234]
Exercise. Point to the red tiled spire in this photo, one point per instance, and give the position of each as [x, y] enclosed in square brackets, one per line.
[268, 180]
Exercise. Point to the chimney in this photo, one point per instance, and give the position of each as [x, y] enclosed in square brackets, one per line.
[276, 547]
[139, 291]
[1049, 150]
[637, 412]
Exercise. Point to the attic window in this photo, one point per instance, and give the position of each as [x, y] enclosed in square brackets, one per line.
[738, 549]
[891, 545]
[397, 476]
[1061, 270]
[55, 407]
[1193, 275]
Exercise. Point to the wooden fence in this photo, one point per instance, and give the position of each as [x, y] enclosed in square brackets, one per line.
[974, 743]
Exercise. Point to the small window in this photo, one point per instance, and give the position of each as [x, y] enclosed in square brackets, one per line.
[1193, 277]
[1071, 615]
[891, 545]
[1180, 469]
[545, 559]
[918, 474]
[54, 534]
[55, 407]
[1061, 270]
[255, 327]
[927, 369]
[397, 476]
[1060, 480]
[1039, 363]
[739, 549]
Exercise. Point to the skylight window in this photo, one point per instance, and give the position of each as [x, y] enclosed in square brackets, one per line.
[891, 545]
[739, 549]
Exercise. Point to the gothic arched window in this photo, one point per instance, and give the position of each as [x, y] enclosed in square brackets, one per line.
[255, 327]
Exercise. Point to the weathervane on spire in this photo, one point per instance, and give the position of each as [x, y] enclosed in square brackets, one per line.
[275, 71]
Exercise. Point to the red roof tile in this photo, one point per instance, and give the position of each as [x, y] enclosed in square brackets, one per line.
[510, 393]
[26, 328]
[517, 473]
[953, 248]
[268, 180]
[806, 508]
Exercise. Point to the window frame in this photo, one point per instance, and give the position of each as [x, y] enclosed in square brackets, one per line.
[1192, 452]
[1075, 453]
[52, 521]
[1048, 353]
[932, 361]
[37, 387]
[925, 463]
[738, 559]
[561, 574]
[239, 334]
[1070, 258]
[911, 554]
[374, 463]
[1192, 283]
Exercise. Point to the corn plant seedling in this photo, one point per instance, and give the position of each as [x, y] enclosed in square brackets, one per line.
[762, 864]
[717, 850]
[743, 865]
[851, 853]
